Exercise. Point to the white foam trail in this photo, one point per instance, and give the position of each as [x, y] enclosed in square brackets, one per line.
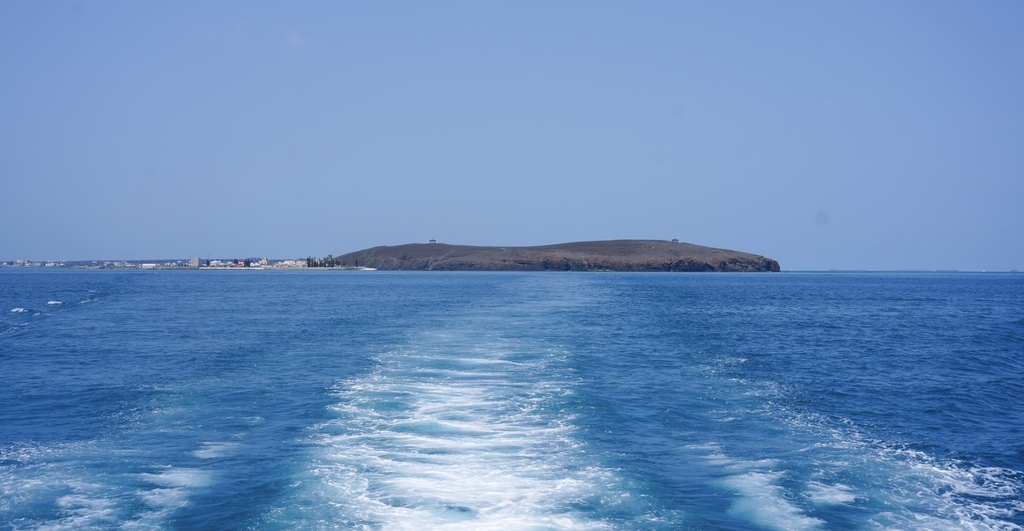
[950, 496]
[211, 450]
[838, 494]
[66, 498]
[179, 478]
[54, 303]
[173, 490]
[84, 511]
[764, 503]
[462, 436]
[761, 501]
[19, 310]
[919, 490]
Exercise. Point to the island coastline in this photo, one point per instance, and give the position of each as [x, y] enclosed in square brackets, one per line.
[607, 255]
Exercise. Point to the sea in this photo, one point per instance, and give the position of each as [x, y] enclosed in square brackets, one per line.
[545, 400]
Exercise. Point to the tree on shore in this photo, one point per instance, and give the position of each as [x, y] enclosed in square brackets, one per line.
[329, 261]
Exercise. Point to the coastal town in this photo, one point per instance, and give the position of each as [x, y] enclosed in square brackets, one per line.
[192, 263]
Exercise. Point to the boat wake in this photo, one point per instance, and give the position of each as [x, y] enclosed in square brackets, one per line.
[459, 432]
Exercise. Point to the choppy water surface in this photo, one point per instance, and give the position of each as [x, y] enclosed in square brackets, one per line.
[372, 400]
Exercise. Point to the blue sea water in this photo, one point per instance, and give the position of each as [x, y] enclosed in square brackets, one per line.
[377, 400]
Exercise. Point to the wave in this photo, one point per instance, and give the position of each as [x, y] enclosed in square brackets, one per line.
[836, 494]
[906, 487]
[761, 500]
[887, 488]
[949, 494]
[40, 490]
[212, 450]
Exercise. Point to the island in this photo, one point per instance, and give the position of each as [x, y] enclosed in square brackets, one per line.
[611, 255]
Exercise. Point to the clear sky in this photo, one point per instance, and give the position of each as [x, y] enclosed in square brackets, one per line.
[825, 135]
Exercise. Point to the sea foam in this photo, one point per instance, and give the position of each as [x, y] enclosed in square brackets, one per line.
[460, 435]
[837, 494]
[760, 500]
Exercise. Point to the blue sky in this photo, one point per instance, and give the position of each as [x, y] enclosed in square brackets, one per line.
[856, 135]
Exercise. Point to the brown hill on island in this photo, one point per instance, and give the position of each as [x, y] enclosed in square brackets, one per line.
[615, 255]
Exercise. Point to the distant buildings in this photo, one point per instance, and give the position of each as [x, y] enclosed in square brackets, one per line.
[288, 264]
[191, 263]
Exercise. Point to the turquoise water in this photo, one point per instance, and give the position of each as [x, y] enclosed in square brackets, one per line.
[376, 400]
